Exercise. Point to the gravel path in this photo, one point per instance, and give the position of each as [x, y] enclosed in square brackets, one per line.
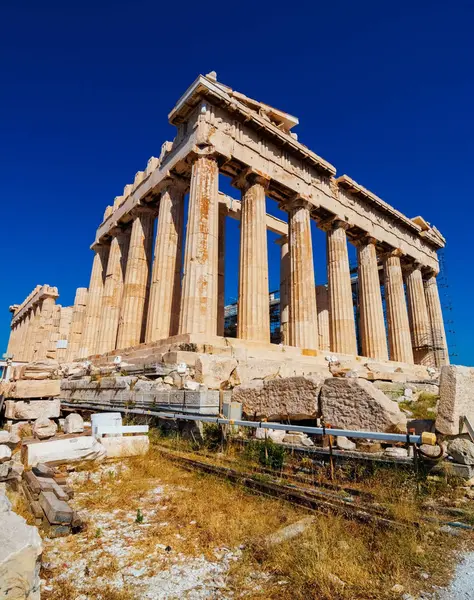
[462, 585]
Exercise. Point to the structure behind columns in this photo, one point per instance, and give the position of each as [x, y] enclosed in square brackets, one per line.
[201, 260]
[399, 338]
[440, 347]
[303, 323]
[136, 287]
[322, 303]
[420, 326]
[77, 323]
[372, 325]
[341, 310]
[284, 287]
[221, 279]
[253, 318]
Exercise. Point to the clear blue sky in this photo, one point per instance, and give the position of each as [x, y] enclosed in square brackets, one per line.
[384, 91]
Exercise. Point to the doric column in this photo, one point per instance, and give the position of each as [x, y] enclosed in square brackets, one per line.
[420, 326]
[113, 290]
[21, 338]
[77, 323]
[165, 292]
[399, 339]
[322, 302]
[48, 307]
[131, 329]
[52, 350]
[221, 275]
[372, 324]
[303, 323]
[65, 320]
[89, 343]
[284, 287]
[253, 315]
[435, 314]
[201, 261]
[29, 335]
[341, 309]
[35, 334]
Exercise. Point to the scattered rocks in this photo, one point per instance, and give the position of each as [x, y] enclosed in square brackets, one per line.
[396, 452]
[44, 428]
[398, 589]
[73, 423]
[297, 439]
[5, 453]
[345, 443]
[462, 451]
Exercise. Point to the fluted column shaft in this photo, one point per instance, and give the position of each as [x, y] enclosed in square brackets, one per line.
[253, 316]
[20, 341]
[113, 291]
[89, 343]
[420, 326]
[372, 325]
[137, 280]
[165, 292]
[47, 322]
[30, 320]
[201, 262]
[303, 317]
[221, 277]
[77, 323]
[322, 302]
[399, 338]
[341, 309]
[39, 330]
[283, 242]
[435, 313]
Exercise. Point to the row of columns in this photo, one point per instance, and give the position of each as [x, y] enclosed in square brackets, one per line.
[133, 298]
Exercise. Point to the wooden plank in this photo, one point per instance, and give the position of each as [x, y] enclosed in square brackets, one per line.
[57, 511]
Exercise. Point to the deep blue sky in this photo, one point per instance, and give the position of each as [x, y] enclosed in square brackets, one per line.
[384, 91]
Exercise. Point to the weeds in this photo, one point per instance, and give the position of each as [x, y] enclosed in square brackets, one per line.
[424, 407]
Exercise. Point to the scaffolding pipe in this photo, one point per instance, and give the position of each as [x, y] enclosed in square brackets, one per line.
[425, 438]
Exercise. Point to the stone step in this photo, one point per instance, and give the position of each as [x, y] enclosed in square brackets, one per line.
[57, 511]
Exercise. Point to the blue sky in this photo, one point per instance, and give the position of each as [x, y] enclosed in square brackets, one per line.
[384, 91]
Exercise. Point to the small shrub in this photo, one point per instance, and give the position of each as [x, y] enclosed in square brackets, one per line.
[420, 408]
[266, 453]
[140, 517]
[212, 435]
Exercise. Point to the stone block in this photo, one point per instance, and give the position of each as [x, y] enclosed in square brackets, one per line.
[73, 423]
[41, 369]
[456, 393]
[344, 443]
[20, 558]
[180, 356]
[70, 450]
[354, 403]
[120, 447]
[44, 428]
[57, 511]
[273, 399]
[46, 388]
[5, 453]
[214, 371]
[462, 451]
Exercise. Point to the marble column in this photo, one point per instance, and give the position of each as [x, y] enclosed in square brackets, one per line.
[322, 302]
[399, 339]
[89, 343]
[20, 339]
[221, 276]
[198, 313]
[165, 292]
[36, 331]
[137, 280]
[47, 317]
[420, 326]
[27, 353]
[113, 290]
[435, 313]
[77, 323]
[372, 324]
[341, 309]
[253, 316]
[303, 323]
[284, 287]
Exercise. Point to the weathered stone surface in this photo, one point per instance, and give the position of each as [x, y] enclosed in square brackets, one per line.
[63, 451]
[297, 439]
[294, 397]
[73, 423]
[354, 403]
[41, 369]
[456, 393]
[5, 453]
[4, 437]
[120, 447]
[344, 443]
[20, 557]
[44, 428]
[27, 411]
[214, 371]
[462, 451]
[46, 388]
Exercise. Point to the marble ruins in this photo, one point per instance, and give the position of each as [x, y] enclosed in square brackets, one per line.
[143, 297]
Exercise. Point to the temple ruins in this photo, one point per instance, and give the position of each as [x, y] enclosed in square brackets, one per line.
[140, 296]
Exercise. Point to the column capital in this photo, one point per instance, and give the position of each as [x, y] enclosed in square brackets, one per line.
[203, 151]
[298, 201]
[395, 252]
[143, 210]
[248, 177]
[175, 182]
[282, 240]
[430, 272]
[98, 246]
[411, 266]
[118, 230]
[332, 223]
[365, 239]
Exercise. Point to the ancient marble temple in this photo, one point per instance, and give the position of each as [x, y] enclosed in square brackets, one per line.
[142, 291]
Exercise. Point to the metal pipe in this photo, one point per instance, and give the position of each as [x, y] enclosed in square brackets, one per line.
[424, 438]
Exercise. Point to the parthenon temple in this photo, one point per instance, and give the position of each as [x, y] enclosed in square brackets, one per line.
[144, 290]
